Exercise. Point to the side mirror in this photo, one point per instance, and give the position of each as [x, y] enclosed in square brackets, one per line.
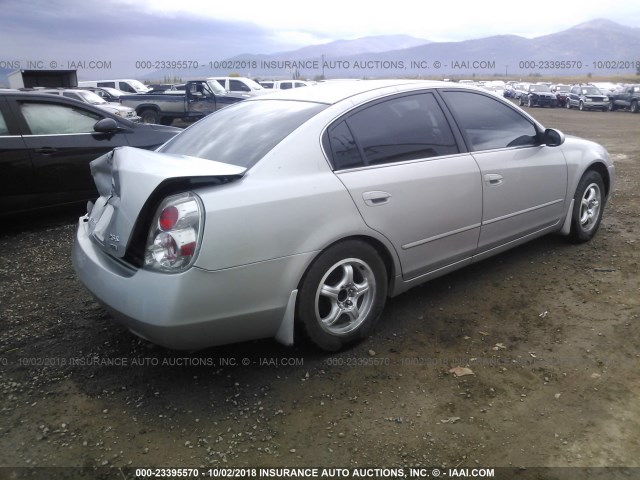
[106, 125]
[553, 137]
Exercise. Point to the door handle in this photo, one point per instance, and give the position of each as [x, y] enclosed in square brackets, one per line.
[375, 198]
[493, 179]
[46, 150]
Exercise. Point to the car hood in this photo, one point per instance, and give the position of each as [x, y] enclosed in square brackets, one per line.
[129, 180]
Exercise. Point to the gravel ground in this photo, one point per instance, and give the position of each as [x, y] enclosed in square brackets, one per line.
[548, 330]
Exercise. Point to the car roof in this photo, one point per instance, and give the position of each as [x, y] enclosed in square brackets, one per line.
[334, 92]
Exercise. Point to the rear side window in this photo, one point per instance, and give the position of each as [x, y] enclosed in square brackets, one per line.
[107, 84]
[404, 128]
[243, 133]
[4, 130]
[488, 123]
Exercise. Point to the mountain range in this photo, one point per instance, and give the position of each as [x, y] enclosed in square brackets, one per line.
[598, 47]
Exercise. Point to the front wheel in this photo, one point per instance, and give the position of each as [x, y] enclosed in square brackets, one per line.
[342, 295]
[612, 106]
[581, 106]
[587, 207]
[568, 105]
[634, 107]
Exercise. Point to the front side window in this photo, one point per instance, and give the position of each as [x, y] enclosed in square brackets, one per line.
[488, 123]
[404, 128]
[125, 87]
[238, 86]
[51, 119]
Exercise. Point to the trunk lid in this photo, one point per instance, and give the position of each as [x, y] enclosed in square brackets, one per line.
[132, 181]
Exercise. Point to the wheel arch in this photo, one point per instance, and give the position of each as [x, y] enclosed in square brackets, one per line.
[602, 169]
[388, 258]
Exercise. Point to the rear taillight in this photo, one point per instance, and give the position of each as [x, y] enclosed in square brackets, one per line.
[175, 234]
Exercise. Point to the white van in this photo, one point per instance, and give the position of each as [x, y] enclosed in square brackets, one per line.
[124, 84]
[242, 85]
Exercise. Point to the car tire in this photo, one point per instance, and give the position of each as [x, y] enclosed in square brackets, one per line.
[568, 105]
[342, 295]
[520, 101]
[634, 107]
[149, 116]
[530, 103]
[581, 106]
[588, 204]
[612, 106]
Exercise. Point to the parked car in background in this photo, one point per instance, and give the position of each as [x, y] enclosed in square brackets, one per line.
[587, 97]
[284, 84]
[128, 85]
[520, 88]
[47, 143]
[625, 97]
[359, 191]
[509, 90]
[159, 87]
[606, 87]
[106, 93]
[241, 85]
[200, 98]
[93, 99]
[562, 93]
[538, 95]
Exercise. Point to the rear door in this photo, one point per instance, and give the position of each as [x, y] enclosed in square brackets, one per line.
[15, 165]
[61, 142]
[402, 165]
[524, 182]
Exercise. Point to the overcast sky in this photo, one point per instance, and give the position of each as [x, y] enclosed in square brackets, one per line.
[128, 30]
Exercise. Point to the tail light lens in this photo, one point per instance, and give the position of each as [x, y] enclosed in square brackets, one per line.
[175, 234]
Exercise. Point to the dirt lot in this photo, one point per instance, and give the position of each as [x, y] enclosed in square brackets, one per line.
[550, 331]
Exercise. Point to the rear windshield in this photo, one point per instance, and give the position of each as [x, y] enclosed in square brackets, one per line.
[243, 133]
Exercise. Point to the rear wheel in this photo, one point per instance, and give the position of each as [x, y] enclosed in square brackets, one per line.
[634, 107]
[530, 103]
[587, 207]
[342, 295]
[612, 106]
[149, 116]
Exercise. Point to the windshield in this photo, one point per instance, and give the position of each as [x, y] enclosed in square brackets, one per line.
[243, 133]
[138, 85]
[92, 98]
[253, 85]
[216, 87]
[563, 88]
[591, 91]
[113, 91]
[539, 88]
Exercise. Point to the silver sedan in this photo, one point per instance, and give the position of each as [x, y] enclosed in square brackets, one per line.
[307, 209]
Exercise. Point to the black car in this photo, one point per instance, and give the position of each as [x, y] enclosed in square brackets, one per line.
[47, 142]
[538, 95]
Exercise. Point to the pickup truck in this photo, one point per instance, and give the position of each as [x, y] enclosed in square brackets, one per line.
[200, 98]
[625, 97]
